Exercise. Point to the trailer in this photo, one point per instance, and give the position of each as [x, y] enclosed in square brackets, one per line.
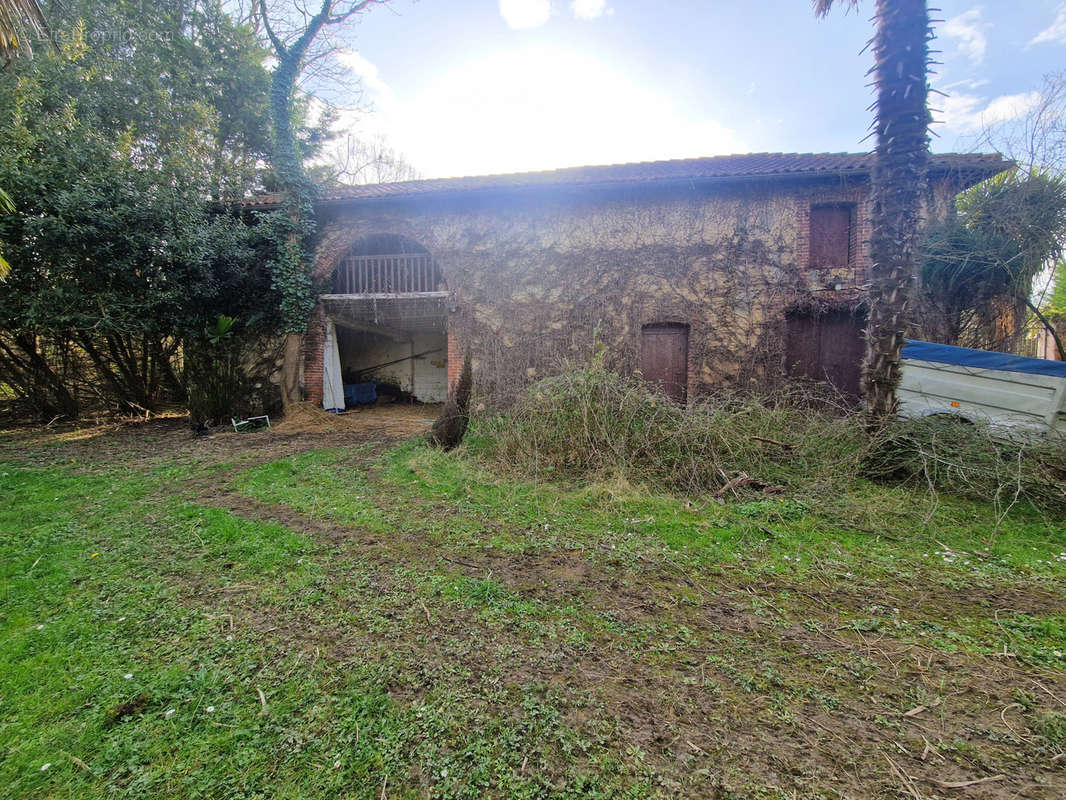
[1003, 390]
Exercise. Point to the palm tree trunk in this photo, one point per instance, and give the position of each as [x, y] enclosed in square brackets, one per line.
[901, 52]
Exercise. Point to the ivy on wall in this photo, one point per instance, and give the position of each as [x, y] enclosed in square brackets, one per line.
[290, 276]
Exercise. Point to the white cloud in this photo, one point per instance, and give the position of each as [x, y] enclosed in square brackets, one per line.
[525, 13]
[589, 9]
[1010, 106]
[969, 113]
[369, 75]
[1055, 32]
[968, 29]
[538, 107]
[967, 83]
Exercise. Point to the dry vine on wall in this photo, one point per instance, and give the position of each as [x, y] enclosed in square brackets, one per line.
[541, 283]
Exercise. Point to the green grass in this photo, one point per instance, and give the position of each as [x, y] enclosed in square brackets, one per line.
[113, 595]
[322, 483]
[874, 526]
[868, 535]
[451, 632]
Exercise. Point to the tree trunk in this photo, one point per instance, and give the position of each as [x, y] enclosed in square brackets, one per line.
[290, 369]
[29, 368]
[901, 53]
[292, 273]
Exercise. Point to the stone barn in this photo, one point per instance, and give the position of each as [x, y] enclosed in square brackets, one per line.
[700, 273]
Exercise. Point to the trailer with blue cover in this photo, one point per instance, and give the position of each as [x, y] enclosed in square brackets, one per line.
[979, 385]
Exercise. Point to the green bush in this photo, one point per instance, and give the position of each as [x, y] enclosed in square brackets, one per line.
[226, 368]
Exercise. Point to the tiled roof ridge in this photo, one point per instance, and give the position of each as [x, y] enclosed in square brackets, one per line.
[737, 166]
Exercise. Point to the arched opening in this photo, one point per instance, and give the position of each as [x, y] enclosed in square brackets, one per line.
[664, 358]
[386, 264]
[386, 338]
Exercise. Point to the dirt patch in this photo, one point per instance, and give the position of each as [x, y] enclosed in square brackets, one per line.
[930, 601]
[143, 444]
[705, 686]
[117, 713]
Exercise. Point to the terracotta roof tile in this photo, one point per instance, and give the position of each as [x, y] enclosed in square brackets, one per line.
[748, 165]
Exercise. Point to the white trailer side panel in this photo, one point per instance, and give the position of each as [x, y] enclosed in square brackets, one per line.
[998, 396]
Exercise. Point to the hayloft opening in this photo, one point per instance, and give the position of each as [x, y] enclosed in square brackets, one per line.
[386, 264]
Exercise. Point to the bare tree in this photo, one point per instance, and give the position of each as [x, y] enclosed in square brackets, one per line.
[1036, 142]
[369, 161]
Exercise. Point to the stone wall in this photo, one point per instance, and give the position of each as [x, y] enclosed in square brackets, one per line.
[543, 277]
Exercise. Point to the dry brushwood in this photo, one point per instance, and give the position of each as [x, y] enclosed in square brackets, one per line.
[448, 429]
[589, 425]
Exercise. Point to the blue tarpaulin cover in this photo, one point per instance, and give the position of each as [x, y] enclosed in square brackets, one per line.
[982, 359]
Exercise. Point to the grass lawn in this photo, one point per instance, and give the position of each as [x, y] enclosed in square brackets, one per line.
[314, 616]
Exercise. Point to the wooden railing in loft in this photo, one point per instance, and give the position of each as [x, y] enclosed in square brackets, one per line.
[401, 273]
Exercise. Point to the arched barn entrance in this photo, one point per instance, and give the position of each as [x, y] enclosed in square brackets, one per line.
[386, 329]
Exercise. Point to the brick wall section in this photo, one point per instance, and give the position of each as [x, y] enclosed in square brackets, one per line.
[314, 345]
[455, 356]
[859, 268]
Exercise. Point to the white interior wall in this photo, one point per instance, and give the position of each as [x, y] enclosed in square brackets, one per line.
[431, 372]
[426, 378]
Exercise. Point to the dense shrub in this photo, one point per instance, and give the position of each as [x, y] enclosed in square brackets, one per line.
[226, 368]
[117, 171]
[592, 424]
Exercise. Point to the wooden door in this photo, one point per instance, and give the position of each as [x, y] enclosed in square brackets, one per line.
[664, 358]
[828, 348]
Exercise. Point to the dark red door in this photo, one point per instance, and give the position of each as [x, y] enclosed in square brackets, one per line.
[664, 358]
[828, 348]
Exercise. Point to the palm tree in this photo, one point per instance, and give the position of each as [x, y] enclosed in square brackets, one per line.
[6, 207]
[901, 124]
[20, 22]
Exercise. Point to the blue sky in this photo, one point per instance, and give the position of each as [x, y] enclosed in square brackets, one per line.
[481, 86]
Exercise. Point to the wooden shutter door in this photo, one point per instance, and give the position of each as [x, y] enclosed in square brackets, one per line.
[664, 358]
[830, 237]
[828, 348]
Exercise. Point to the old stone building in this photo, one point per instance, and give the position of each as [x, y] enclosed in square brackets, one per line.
[701, 273]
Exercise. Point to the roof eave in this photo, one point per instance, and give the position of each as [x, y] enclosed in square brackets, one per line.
[970, 175]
